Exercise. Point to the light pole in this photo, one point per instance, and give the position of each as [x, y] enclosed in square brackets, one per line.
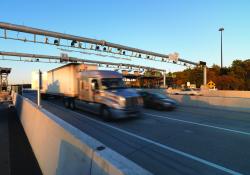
[221, 30]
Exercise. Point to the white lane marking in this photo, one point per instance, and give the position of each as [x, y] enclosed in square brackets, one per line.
[199, 124]
[200, 160]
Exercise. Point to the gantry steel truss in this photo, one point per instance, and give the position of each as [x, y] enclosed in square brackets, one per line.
[65, 59]
[91, 45]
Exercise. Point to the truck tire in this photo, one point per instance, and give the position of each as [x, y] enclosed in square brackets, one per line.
[66, 102]
[72, 104]
[43, 96]
[106, 114]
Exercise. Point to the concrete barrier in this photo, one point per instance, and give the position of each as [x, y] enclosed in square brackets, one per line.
[62, 149]
[226, 103]
[227, 93]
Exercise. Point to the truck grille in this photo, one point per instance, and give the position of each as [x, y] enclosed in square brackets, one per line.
[132, 102]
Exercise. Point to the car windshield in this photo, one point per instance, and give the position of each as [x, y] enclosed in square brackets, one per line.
[112, 83]
[160, 96]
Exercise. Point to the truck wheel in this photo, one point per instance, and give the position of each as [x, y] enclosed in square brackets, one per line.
[66, 102]
[106, 114]
[72, 105]
[43, 97]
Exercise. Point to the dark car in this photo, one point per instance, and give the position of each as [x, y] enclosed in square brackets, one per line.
[157, 101]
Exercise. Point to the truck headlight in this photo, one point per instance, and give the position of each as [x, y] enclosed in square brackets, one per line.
[122, 101]
[117, 106]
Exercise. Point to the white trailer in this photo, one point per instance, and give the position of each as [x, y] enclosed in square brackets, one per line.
[64, 80]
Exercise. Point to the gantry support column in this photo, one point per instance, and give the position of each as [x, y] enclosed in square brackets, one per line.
[204, 75]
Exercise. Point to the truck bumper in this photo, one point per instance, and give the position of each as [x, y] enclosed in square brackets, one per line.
[124, 113]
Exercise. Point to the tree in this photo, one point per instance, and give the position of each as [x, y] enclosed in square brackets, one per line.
[234, 77]
[194, 76]
[228, 82]
[152, 73]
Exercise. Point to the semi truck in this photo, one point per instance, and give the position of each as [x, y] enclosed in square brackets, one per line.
[100, 91]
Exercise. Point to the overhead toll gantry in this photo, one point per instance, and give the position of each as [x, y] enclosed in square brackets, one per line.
[92, 46]
[97, 45]
[64, 58]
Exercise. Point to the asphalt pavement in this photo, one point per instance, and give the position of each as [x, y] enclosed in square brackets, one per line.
[184, 141]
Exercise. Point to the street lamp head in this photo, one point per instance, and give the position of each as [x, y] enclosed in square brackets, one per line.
[221, 29]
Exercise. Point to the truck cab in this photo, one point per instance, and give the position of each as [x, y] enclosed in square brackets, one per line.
[104, 92]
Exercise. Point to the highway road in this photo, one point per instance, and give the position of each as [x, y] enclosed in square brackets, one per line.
[186, 141]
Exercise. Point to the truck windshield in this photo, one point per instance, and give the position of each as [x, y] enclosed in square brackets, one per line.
[112, 83]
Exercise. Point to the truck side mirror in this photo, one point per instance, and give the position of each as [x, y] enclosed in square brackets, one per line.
[93, 86]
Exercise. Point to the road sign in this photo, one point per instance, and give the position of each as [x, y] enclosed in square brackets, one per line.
[211, 84]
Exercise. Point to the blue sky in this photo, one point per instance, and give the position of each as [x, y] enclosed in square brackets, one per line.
[189, 27]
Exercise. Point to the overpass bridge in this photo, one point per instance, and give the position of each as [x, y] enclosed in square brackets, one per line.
[196, 139]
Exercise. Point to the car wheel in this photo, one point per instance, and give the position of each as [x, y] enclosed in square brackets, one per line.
[171, 108]
[160, 107]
